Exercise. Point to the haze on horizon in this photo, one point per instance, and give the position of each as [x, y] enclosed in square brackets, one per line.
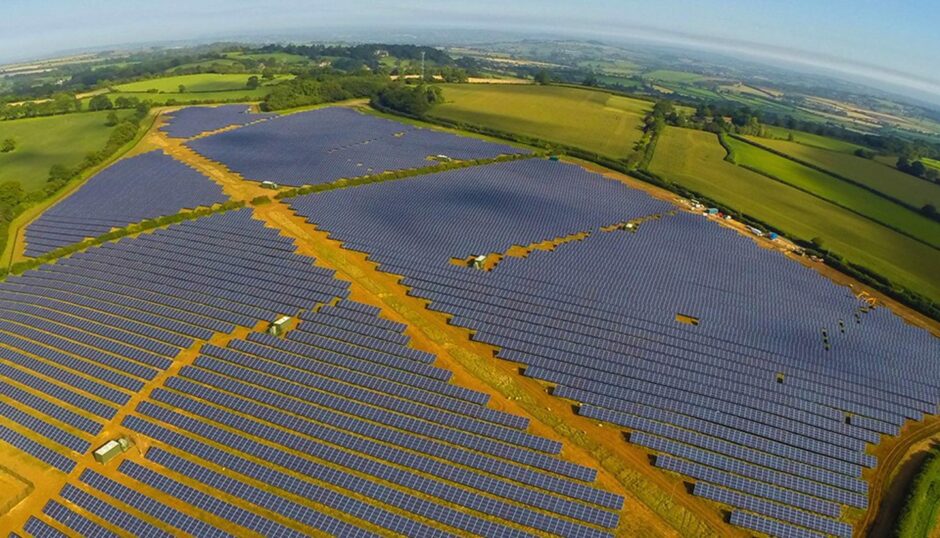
[896, 44]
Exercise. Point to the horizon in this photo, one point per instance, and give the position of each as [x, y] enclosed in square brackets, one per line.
[747, 34]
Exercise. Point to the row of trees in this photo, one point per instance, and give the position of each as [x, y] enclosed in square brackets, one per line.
[918, 169]
[323, 87]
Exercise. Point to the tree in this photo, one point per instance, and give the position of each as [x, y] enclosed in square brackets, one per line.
[100, 102]
[7, 145]
[903, 164]
[590, 80]
[268, 74]
[253, 82]
[818, 243]
[930, 211]
[543, 77]
[182, 88]
[112, 119]
[918, 169]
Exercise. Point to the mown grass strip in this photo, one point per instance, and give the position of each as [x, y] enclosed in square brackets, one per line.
[921, 512]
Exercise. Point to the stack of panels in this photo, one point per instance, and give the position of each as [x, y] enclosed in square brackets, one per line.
[131, 190]
[749, 399]
[194, 120]
[324, 145]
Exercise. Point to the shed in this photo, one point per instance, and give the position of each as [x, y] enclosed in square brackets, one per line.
[478, 261]
[279, 326]
[111, 449]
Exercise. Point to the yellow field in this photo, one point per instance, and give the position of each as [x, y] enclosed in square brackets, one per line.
[592, 120]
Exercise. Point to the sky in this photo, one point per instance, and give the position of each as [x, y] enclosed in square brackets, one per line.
[894, 42]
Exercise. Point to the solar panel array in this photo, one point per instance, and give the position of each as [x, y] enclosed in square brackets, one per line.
[194, 120]
[750, 400]
[138, 188]
[340, 426]
[321, 146]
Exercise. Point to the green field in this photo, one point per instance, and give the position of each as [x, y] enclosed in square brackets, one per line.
[193, 97]
[872, 174]
[922, 509]
[695, 160]
[280, 57]
[837, 191]
[663, 75]
[933, 163]
[203, 82]
[42, 142]
[810, 139]
[592, 120]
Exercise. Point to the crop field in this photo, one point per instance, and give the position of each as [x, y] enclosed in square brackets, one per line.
[809, 139]
[663, 75]
[695, 160]
[591, 120]
[318, 364]
[840, 192]
[43, 142]
[246, 95]
[199, 83]
[875, 175]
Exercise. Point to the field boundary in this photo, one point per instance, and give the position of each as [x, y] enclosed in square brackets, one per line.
[806, 191]
[827, 172]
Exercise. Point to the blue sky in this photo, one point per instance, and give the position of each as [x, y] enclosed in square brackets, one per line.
[897, 42]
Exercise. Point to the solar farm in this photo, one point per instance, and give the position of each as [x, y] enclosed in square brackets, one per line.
[484, 351]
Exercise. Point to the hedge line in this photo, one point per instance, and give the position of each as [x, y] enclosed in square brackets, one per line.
[827, 172]
[396, 174]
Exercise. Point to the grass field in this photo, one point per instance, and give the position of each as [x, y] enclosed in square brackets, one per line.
[191, 97]
[870, 173]
[933, 163]
[922, 511]
[595, 121]
[664, 75]
[42, 142]
[810, 139]
[203, 82]
[837, 191]
[695, 160]
[281, 57]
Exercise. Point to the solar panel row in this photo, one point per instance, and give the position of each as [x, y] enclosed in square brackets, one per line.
[131, 190]
[194, 120]
[748, 398]
[321, 146]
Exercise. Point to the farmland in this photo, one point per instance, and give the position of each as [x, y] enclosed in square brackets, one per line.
[43, 142]
[872, 174]
[810, 139]
[201, 83]
[837, 191]
[695, 160]
[595, 121]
